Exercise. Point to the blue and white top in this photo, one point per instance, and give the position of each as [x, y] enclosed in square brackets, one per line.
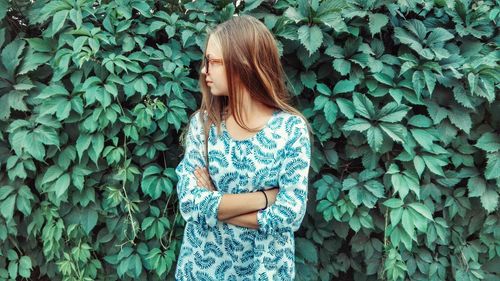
[277, 156]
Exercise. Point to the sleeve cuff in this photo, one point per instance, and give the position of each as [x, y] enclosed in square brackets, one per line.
[260, 220]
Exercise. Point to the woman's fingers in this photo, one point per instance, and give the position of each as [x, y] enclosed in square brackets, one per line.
[203, 178]
[199, 177]
[200, 174]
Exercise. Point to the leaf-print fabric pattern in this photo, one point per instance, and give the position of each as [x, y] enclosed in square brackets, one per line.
[278, 155]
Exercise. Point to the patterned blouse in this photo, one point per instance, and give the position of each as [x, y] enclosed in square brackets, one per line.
[277, 156]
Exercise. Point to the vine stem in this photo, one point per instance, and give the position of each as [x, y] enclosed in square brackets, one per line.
[385, 229]
[127, 200]
[171, 232]
[15, 245]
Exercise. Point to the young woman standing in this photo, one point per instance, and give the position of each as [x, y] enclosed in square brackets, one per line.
[243, 179]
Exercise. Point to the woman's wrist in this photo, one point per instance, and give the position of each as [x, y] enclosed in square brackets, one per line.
[267, 201]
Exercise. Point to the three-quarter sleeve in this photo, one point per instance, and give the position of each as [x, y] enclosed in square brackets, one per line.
[289, 209]
[196, 203]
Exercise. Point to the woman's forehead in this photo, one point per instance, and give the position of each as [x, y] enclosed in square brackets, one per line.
[213, 49]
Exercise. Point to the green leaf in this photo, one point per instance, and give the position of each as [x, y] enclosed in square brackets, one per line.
[61, 185]
[58, 20]
[76, 17]
[416, 27]
[24, 196]
[52, 173]
[89, 220]
[355, 224]
[476, 186]
[394, 203]
[422, 210]
[308, 79]
[461, 119]
[330, 111]
[436, 112]
[342, 66]
[461, 97]
[344, 86]
[13, 266]
[320, 101]
[419, 165]
[11, 54]
[408, 39]
[357, 124]
[7, 207]
[383, 78]
[430, 80]
[393, 112]
[424, 138]
[153, 183]
[12, 100]
[346, 107]
[185, 35]
[40, 44]
[5, 191]
[395, 131]
[86, 217]
[323, 89]
[4, 6]
[439, 35]
[377, 21]
[375, 138]
[294, 15]
[418, 81]
[34, 147]
[420, 121]
[135, 265]
[311, 37]
[251, 5]
[489, 142]
[493, 166]
[82, 144]
[46, 135]
[141, 86]
[363, 105]
[408, 224]
[329, 13]
[489, 200]
[404, 182]
[97, 147]
[434, 164]
[25, 266]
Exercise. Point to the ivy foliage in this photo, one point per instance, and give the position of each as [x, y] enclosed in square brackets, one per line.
[402, 97]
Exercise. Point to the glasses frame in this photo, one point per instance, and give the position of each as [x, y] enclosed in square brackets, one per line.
[208, 61]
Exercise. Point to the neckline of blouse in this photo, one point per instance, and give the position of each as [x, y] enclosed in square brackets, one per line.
[268, 123]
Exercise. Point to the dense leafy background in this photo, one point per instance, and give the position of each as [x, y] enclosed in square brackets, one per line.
[402, 96]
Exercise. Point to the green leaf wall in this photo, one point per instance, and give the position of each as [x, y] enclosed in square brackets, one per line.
[402, 97]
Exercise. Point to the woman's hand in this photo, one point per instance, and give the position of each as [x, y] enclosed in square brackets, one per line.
[203, 179]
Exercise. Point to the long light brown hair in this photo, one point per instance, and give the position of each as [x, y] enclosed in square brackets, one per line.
[252, 62]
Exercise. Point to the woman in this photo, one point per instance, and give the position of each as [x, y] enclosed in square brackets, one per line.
[241, 211]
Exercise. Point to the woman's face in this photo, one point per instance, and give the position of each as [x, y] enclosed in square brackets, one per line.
[216, 77]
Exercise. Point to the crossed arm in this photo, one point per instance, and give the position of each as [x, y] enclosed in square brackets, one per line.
[230, 208]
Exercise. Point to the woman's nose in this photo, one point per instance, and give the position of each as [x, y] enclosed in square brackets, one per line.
[204, 70]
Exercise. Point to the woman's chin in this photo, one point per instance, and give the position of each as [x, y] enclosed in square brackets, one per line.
[217, 93]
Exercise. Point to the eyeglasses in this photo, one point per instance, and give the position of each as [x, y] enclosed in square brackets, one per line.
[209, 61]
